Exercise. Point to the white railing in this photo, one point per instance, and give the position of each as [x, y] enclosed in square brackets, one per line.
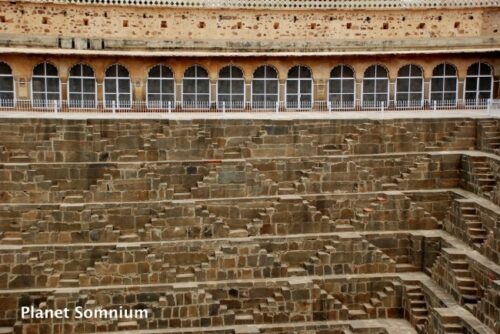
[290, 4]
[57, 106]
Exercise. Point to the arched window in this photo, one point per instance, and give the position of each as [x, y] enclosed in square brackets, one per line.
[478, 84]
[117, 87]
[341, 87]
[231, 87]
[196, 88]
[45, 87]
[444, 85]
[409, 86]
[161, 87]
[82, 87]
[375, 86]
[265, 87]
[299, 88]
[7, 93]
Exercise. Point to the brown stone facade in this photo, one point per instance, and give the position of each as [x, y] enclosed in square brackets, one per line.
[251, 226]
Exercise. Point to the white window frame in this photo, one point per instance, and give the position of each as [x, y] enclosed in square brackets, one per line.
[342, 78]
[231, 79]
[299, 95]
[444, 76]
[265, 79]
[409, 77]
[161, 79]
[478, 76]
[14, 92]
[375, 78]
[82, 78]
[118, 105]
[45, 104]
[196, 103]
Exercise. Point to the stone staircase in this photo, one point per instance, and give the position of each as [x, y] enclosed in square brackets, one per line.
[416, 307]
[410, 178]
[491, 136]
[483, 176]
[463, 136]
[369, 309]
[475, 232]
[451, 271]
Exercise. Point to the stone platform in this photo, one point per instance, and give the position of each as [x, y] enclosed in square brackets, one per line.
[252, 226]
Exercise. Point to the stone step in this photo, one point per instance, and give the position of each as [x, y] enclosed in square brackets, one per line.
[287, 191]
[132, 237]
[462, 272]
[127, 325]
[465, 281]
[357, 314]
[419, 311]
[417, 303]
[296, 271]
[470, 299]
[452, 328]
[243, 319]
[178, 196]
[69, 283]
[405, 268]
[477, 231]
[12, 241]
[461, 265]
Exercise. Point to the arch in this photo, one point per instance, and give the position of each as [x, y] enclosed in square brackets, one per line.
[160, 87]
[82, 87]
[117, 87]
[45, 85]
[342, 86]
[299, 88]
[7, 87]
[196, 88]
[265, 87]
[444, 85]
[409, 88]
[375, 86]
[478, 87]
[231, 87]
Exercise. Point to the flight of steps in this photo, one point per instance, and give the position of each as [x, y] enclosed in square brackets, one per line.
[463, 136]
[491, 136]
[451, 271]
[369, 310]
[466, 285]
[483, 176]
[417, 172]
[475, 232]
[417, 306]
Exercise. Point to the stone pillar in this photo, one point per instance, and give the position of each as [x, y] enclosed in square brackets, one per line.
[99, 77]
[248, 91]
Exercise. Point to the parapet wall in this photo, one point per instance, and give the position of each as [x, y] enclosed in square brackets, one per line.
[115, 27]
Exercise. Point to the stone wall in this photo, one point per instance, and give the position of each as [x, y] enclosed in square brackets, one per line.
[128, 24]
[23, 141]
[250, 227]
